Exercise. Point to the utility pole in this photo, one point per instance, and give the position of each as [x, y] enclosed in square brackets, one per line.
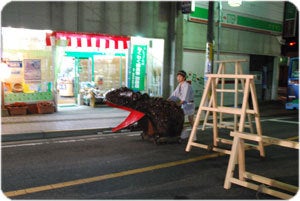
[209, 42]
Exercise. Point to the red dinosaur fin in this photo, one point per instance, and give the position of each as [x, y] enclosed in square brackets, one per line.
[133, 117]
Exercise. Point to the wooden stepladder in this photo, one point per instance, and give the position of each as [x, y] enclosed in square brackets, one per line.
[210, 94]
[224, 68]
[253, 181]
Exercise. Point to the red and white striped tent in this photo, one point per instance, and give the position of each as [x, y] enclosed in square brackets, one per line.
[77, 39]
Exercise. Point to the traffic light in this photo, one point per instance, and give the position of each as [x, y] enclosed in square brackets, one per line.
[290, 47]
[292, 44]
[290, 32]
[186, 7]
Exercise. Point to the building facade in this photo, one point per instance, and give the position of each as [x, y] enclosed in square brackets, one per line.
[239, 33]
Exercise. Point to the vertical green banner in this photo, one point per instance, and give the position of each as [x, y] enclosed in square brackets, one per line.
[137, 70]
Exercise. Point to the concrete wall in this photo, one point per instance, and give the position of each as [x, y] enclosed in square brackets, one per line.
[231, 40]
[149, 19]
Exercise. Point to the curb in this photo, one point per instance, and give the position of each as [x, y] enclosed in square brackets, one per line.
[52, 134]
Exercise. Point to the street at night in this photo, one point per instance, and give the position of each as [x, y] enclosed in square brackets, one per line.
[123, 166]
[105, 100]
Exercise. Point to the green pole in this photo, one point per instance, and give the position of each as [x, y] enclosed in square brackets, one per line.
[120, 71]
[209, 44]
[93, 69]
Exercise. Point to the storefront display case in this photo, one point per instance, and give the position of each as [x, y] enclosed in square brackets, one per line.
[30, 63]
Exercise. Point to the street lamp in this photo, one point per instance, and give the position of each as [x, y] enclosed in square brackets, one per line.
[235, 3]
[4, 74]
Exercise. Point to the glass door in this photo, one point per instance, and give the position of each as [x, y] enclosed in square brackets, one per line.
[65, 82]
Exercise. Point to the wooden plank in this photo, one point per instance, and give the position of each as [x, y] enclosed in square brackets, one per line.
[225, 151]
[261, 188]
[230, 76]
[250, 111]
[281, 142]
[224, 141]
[222, 94]
[230, 90]
[257, 117]
[215, 120]
[247, 145]
[246, 136]
[241, 159]
[231, 61]
[231, 163]
[266, 139]
[243, 87]
[228, 110]
[227, 124]
[236, 95]
[271, 182]
[199, 145]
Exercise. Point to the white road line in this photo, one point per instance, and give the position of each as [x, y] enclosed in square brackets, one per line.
[277, 119]
[82, 139]
[23, 145]
[284, 121]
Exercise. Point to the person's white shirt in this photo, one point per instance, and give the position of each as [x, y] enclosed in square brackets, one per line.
[185, 93]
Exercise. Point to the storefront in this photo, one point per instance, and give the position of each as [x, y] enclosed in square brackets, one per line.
[71, 68]
[87, 65]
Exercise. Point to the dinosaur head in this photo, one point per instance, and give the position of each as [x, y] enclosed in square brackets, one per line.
[125, 97]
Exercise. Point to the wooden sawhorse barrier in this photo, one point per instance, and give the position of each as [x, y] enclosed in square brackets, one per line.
[210, 91]
[237, 157]
[223, 69]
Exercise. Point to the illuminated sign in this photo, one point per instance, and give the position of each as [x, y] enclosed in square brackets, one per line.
[137, 70]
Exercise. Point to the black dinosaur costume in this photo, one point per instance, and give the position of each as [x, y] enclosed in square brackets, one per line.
[162, 118]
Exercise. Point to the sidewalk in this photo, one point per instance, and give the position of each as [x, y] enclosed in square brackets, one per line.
[67, 121]
[84, 120]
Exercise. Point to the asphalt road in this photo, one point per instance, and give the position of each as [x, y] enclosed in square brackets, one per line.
[123, 166]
